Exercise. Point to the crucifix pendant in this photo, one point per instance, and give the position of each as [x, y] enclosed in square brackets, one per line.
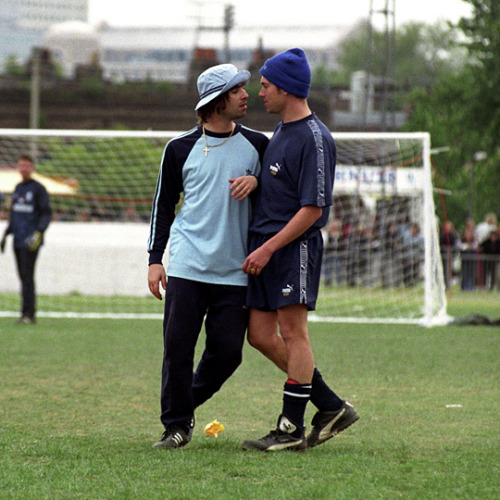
[206, 150]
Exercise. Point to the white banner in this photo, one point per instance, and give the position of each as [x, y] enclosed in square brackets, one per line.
[378, 180]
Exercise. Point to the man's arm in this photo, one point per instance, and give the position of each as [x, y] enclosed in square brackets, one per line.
[297, 226]
[44, 209]
[167, 195]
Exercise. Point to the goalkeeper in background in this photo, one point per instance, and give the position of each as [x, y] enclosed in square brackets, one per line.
[30, 215]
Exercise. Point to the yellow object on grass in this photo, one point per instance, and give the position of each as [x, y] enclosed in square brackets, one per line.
[214, 428]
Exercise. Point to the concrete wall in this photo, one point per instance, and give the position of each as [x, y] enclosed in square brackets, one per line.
[100, 258]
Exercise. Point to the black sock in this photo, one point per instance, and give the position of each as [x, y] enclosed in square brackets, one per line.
[295, 399]
[322, 396]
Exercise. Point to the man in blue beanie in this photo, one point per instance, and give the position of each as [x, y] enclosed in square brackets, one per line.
[285, 253]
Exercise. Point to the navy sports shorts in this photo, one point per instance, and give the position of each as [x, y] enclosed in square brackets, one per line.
[290, 277]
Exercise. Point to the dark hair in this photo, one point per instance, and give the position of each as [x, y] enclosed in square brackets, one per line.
[25, 158]
[214, 106]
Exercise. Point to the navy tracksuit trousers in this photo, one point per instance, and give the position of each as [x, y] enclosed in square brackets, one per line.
[26, 260]
[187, 304]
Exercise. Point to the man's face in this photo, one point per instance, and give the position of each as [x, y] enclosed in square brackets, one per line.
[236, 105]
[25, 168]
[274, 97]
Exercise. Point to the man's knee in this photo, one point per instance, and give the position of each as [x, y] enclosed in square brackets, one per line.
[256, 341]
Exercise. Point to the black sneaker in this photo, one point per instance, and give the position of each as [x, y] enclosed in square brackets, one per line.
[287, 436]
[191, 428]
[175, 436]
[327, 424]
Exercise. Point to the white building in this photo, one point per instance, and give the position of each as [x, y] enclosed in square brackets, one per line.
[23, 23]
[42, 14]
[72, 43]
[137, 53]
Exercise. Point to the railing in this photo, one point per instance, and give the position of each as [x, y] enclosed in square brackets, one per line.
[370, 266]
[471, 270]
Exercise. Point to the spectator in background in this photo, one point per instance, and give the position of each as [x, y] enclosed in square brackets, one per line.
[130, 214]
[484, 228]
[448, 243]
[391, 256]
[335, 248]
[355, 263]
[369, 247]
[412, 245]
[491, 251]
[30, 215]
[483, 231]
[468, 255]
[498, 266]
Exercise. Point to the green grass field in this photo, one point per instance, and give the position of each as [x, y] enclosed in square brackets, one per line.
[79, 412]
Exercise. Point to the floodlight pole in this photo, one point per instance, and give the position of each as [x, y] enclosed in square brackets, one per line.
[227, 26]
[388, 71]
[35, 98]
[35, 89]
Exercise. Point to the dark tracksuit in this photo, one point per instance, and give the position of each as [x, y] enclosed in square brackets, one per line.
[29, 212]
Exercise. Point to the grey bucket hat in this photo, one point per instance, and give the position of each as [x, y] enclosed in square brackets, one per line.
[218, 79]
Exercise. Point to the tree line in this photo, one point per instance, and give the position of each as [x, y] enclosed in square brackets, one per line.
[448, 78]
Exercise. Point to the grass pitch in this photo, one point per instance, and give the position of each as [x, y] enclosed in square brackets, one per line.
[79, 412]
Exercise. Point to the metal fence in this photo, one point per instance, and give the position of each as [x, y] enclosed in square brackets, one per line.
[471, 270]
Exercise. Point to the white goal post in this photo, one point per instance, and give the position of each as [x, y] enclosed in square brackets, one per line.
[381, 264]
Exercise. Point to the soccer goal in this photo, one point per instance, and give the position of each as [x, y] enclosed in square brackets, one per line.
[381, 261]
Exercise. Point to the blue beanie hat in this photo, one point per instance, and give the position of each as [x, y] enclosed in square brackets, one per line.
[289, 71]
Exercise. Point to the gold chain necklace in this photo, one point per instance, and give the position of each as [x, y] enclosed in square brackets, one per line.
[208, 146]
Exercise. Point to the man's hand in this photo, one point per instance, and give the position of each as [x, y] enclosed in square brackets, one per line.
[242, 186]
[295, 227]
[257, 260]
[157, 275]
[33, 241]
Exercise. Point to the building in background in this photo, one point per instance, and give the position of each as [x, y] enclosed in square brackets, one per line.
[24, 23]
[165, 53]
[138, 53]
[176, 53]
[72, 44]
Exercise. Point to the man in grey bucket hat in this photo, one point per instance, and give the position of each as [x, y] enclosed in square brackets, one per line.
[218, 79]
[215, 166]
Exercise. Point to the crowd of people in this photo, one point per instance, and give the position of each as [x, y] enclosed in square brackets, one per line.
[472, 256]
[353, 253]
[390, 253]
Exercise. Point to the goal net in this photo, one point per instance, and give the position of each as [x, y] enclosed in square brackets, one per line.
[381, 261]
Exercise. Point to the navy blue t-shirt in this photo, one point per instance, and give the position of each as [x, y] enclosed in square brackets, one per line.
[298, 170]
[30, 211]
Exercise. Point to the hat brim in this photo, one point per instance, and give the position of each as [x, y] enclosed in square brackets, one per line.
[241, 77]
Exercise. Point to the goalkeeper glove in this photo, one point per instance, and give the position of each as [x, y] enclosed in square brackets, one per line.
[33, 241]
